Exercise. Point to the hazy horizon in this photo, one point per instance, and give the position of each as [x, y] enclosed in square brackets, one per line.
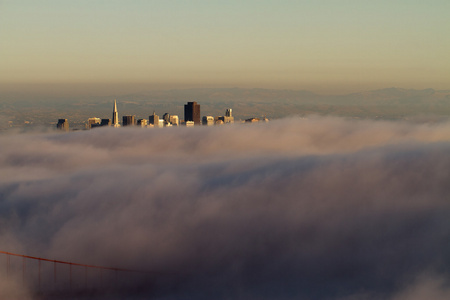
[120, 88]
[326, 46]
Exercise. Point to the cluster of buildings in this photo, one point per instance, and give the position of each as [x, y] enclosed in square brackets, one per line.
[191, 118]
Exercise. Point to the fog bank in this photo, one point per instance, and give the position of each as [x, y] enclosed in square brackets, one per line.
[319, 208]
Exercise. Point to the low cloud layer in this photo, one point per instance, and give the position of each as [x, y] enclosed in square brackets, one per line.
[318, 208]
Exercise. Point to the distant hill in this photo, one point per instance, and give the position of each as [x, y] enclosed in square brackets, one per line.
[398, 96]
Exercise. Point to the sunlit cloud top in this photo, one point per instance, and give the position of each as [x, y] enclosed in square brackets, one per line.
[318, 208]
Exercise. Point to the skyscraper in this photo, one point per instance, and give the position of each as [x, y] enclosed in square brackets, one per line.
[105, 122]
[128, 120]
[115, 116]
[153, 119]
[192, 112]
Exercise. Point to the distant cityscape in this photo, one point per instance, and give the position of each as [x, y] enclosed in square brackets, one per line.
[38, 112]
[191, 118]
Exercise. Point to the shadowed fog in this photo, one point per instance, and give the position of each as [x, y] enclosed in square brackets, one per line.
[317, 208]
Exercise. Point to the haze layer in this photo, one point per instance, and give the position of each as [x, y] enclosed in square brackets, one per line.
[316, 45]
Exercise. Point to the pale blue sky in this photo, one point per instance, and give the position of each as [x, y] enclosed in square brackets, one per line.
[278, 44]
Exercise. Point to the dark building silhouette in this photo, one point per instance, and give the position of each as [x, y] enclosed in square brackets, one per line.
[192, 112]
[63, 124]
[128, 121]
[105, 122]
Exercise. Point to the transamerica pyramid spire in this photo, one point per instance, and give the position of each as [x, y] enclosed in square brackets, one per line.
[115, 118]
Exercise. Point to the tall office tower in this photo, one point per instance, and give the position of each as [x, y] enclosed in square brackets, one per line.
[128, 120]
[153, 119]
[115, 116]
[192, 112]
[63, 124]
[105, 122]
[228, 112]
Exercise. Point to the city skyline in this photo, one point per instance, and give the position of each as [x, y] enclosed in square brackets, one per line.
[192, 117]
[325, 46]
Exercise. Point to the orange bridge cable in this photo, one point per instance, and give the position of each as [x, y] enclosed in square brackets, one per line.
[78, 264]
